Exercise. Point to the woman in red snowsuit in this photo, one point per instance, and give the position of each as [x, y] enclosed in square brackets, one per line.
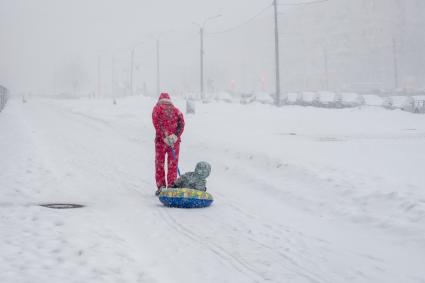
[169, 125]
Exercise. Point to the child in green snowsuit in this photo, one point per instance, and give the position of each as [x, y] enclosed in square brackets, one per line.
[195, 180]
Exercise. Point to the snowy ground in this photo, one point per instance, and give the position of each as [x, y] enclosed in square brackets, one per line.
[301, 195]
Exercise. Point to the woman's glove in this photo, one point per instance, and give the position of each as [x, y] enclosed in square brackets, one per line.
[170, 140]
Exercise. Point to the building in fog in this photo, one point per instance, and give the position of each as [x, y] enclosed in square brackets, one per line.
[353, 45]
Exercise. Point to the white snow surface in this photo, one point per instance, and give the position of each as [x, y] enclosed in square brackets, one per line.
[302, 194]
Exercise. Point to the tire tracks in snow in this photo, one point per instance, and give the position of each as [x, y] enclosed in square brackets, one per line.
[302, 272]
[237, 263]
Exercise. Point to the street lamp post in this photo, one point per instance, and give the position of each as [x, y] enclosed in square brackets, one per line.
[133, 50]
[131, 70]
[201, 33]
[395, 64]
[276, 41]
[158, 74]
[98, 75]
[113, 86]
[158, 79]
[202, 62]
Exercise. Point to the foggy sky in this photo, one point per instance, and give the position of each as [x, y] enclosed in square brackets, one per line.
[58, 46]
[44, 37]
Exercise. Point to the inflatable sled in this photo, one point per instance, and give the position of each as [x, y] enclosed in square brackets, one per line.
[185, 198]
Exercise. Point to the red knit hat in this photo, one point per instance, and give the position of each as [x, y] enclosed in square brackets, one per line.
[164, 95]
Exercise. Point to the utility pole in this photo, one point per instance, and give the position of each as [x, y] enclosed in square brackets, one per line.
[201, 33]
[131, 70]
[325, 57]
[276, 41]
[158, 79]
[158, 62]
[55, 83]
[395, 62]
[98, 76]
[202, 63]
[113, 76]
[133, 50]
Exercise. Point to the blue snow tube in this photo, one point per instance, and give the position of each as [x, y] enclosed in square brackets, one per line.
[185, 198]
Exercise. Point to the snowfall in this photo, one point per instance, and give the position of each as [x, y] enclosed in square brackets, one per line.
[301, 194]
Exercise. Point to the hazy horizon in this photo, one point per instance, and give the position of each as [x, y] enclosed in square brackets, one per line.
[49, 46]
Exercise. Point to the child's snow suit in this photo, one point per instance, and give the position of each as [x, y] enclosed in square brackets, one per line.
[195, 180]
[167, 120]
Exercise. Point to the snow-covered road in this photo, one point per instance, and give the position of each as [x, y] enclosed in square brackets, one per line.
[301, 195]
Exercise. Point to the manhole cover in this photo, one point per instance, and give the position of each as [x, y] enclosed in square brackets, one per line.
[62, 205]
